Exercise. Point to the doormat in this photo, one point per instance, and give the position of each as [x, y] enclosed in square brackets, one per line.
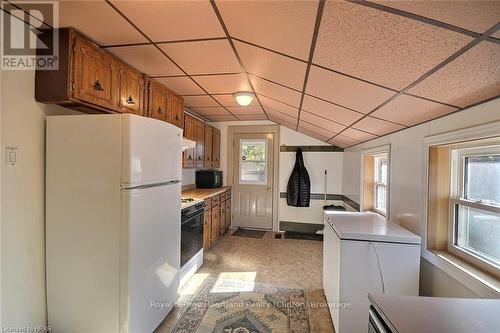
[218, 307]
[302, 235]
[248, 233]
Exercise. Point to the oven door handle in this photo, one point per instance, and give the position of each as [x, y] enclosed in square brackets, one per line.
[188, 218]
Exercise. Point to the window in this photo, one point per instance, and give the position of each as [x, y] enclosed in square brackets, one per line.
[474, 205]
[253, 164]
[375, 185]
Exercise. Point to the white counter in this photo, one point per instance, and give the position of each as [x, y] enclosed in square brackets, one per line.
[368, 226]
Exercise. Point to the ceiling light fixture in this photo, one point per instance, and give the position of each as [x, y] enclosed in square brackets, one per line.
[243, 98]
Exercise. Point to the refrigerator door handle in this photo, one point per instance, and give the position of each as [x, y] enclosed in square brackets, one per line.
[141, 187]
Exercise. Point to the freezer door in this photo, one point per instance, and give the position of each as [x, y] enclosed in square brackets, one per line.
[152, 151]
[151, 237]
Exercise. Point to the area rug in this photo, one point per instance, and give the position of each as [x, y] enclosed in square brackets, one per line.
[248, 233]
[262, 309]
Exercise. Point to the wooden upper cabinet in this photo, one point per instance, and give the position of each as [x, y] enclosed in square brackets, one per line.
[188, 155]
[95, 74]
[176, 106]
[157, 101]
[208, 146]
[200, 143]
[216, 148]
[131, 90]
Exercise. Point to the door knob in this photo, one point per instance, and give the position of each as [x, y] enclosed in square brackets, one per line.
[269, 189]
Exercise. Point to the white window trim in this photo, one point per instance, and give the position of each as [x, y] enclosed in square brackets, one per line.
[266, 162]
[379, 150]
[469, 277]
[377, 184]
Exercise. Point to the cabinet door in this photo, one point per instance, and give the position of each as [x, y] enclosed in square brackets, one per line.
[207, 229]
[176, 109]
[222, 227]
[131, 91]
[200, 144]
[208, 146]
[215, 223]
[228, 214]
[216, 148]
[95, 75]
[188, 156]
[157, 105]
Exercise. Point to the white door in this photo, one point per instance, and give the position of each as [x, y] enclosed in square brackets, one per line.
[152, 151]
[152, 241]
[253, 180]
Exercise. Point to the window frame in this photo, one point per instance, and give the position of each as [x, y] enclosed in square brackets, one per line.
[377, 183]
[459, 153]
[374, 152]
[266, 176]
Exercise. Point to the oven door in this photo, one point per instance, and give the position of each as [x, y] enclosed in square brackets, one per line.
[191, 235]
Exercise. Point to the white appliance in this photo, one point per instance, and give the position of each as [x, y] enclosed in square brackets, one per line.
[112, 222]
[364, 253]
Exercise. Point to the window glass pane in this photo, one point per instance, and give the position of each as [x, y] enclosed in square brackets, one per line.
[482, 179]
[380, 200]
[253, 164]
[479, 232]
[381, 169]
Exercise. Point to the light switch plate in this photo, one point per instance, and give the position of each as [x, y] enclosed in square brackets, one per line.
[11, 156]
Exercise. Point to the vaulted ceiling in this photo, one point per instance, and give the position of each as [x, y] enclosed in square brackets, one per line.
[340, 71]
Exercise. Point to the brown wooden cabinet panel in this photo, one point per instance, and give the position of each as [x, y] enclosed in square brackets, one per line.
[176, 110]
[200, 143]
[157, 101]
[228, 214]
[216, 148]
[208, 146]
[207, 230]
[215, 233]
[222, 227]
[188, 156]
[131, 91]
[95, 74]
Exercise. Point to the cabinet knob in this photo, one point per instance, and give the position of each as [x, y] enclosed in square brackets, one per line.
[130, 100]
[98, 86]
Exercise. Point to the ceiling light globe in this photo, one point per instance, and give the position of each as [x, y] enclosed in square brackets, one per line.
[243, 98]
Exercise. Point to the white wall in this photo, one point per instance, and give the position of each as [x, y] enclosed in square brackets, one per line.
[315, 163]
[23, 201]
[406, 178]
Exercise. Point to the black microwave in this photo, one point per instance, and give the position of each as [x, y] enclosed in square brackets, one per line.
[208, 178]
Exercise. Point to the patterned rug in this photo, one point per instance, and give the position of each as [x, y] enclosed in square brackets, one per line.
[264, 309]
[248, 233]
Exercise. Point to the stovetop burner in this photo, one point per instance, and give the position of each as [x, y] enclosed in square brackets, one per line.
[186, 200]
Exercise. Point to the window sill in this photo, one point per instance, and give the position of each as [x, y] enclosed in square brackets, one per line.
[484, 284]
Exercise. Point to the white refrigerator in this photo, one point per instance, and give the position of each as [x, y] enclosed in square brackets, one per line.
[113, 187]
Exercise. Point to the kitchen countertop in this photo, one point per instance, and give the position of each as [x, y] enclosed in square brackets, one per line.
[412, 314]
[369, 227]
[204, 193]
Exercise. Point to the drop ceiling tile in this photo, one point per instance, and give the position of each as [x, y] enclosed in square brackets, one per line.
[321, 122]
[357, 135]
[172, 20]
[269, 103]
[409, 110]
[330, 111]
[272, 66]
[223, 84]
[99, 21]
[312, 134]
[376, 126]
[346, 91]
[252, 116]
[343, 141]
[477, 16]
[325, 133]
[221, 118]
[203, 57]
[470, 78]
[276, 91]
[286, 27]
[282, 117]
[229, 100]
[199, 101]
[212, 111]
[496, 34]
[241, 110]
[181, 85]
[381, 47]
[147, 59]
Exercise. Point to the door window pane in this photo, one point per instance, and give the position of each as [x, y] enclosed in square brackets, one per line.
[478, 231]
[482, 179]
[253, 164]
